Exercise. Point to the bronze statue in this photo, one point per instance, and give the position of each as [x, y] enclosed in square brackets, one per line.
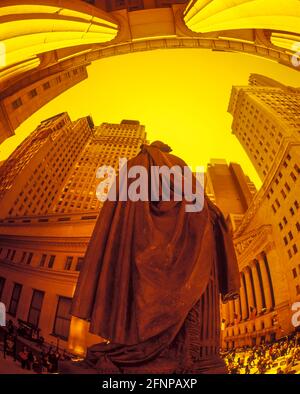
[151, 282]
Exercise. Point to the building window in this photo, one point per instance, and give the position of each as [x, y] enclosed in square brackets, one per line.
[287, 186]
[17, 103]
[68, 263]
[51, 261]
[293, 176]
[283, 193]
[2, 283]
[294, 272]
[29, 258]
[32, 93]
[46, 85]
[79, 263]
[23, 257]
[62, 318]
[43, 260]
[35, 307]
[295, 249]
[298, 290]
[15, 298]
[13, 255]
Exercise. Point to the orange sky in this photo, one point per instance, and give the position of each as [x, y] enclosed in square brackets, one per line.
[180, 95]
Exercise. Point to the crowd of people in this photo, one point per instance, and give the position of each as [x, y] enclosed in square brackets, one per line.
[39, 359]
[280, 357]
[43, 362]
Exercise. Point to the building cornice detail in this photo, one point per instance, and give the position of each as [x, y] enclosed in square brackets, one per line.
[47, 274]
[250, 244]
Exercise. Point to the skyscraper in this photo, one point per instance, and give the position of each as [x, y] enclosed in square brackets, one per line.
[33, 175]
[54, 169]
[230, 189]
[48, 212]
[264, 114]
[266, 121]
[106, 145]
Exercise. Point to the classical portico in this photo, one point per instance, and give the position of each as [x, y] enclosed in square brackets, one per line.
[255, 316]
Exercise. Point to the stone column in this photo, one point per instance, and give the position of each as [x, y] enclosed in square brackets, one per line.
[226, 313]
[267, 284]
[231, 312]
[257, 289]
[249, 290]
[237, 308]
[243, 296]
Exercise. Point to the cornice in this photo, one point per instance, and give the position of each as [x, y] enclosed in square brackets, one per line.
[47, 274]
[250, 244]
[80, 242]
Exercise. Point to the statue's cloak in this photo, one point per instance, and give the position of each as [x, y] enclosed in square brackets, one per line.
[148, 263]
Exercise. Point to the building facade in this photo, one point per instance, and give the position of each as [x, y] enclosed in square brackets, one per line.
[266, 121]
[18, 103]
[230, 189]
[264, 113]
[48, 214]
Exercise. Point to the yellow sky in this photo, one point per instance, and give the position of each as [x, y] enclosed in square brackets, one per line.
[180, 95]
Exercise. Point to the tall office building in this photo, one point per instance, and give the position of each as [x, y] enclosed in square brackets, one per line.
[18, 102]
[107, 144]
[264, 113]
[48, 212]
[54, 169]
[266, 121]
[33, 175]
[230, 189]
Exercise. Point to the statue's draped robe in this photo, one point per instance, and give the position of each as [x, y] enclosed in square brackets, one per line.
[151, 281]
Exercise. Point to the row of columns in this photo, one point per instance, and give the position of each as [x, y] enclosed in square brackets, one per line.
[256, 292]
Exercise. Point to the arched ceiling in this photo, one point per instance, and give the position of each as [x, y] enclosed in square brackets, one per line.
[28, 30]
[279, 19]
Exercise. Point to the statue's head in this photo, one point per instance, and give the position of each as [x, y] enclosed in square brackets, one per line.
[161, 146]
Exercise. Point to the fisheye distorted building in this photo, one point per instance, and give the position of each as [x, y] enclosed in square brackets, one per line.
[266, 121]
[48, 212]
[18, 102]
